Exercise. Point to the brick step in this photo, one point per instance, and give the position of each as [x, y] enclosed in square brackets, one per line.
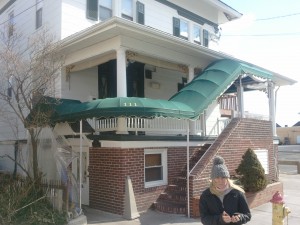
[176, 188]
[166, 207]
[173, 197]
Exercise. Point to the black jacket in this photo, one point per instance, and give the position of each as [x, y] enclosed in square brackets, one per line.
[211, 207]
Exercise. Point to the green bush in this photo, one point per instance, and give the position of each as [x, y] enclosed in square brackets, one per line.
[251, 173]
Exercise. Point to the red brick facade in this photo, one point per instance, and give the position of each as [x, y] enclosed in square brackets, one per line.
[109, 167]
[237, 137]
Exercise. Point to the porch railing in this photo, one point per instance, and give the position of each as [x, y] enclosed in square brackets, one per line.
[166, 126]
[155, 126]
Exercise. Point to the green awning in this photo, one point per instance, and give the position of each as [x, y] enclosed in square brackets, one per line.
[188, 103]
[213, 82]
[122, 107]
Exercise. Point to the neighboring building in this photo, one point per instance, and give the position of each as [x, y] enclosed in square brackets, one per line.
[150, 49]
[289, 135]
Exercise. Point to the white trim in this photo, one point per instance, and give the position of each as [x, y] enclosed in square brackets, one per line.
[148, 144]
[163, 153]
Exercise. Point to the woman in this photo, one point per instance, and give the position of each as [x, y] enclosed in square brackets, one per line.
[223, 202]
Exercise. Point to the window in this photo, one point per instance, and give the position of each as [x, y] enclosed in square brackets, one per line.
[180, 28]
[10, 87]
[92, 9]
[105, 9]
[205, 38]
[140, 12]
[39, 14]
[197, 34]
[39, 18]
[11, 24]
[127, 9]
[155, 167]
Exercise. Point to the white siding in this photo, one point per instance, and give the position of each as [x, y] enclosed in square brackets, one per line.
[81, 85]
[74, 17]
[163, 84]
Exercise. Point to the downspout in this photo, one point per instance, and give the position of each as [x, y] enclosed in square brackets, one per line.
[16, 148]
[80, 167]
[275, 155]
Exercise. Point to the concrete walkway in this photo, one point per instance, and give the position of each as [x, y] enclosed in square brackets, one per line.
[261, 215]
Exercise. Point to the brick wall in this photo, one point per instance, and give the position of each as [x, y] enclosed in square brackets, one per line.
[109, 167]
[234, 141]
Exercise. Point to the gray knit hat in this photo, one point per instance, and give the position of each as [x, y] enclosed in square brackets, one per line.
[219, 168]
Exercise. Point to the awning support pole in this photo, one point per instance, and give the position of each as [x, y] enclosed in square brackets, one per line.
[80, 165]
[188, 167]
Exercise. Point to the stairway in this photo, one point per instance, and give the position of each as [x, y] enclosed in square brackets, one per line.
[174, 198]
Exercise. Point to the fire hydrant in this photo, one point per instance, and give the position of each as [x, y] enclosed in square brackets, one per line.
[279, 211]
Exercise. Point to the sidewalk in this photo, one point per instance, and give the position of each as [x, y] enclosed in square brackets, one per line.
[261, 215]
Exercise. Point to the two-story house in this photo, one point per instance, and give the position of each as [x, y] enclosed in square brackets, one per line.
[156, 57]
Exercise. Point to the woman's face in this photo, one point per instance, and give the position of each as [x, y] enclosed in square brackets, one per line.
[221, 183]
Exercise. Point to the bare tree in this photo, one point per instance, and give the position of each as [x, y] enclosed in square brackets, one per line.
[29, 69]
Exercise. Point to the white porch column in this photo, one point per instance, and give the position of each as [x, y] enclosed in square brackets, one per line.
[272, 109]
[121, 86]
[121, 73]
[192, 123]
[240, 91]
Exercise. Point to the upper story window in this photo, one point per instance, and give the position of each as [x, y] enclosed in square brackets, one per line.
[126, 10]
[11, 24]
[92, 9]
[105, 9]
[205, 38]
[180, 28]
[140, 12]
[39, 18]
[39, 14]
[197, 34]
[10, 87]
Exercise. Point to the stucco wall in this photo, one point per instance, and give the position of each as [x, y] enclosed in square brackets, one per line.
[289, 132]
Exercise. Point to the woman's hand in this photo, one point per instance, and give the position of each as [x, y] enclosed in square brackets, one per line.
[226, 218]
[235, 218]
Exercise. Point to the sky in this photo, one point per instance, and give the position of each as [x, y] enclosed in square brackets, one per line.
[268, 35]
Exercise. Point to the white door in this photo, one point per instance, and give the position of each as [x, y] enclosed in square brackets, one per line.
[298, 139]
[84, 176]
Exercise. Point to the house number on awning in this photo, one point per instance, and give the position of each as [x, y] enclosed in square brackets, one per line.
[130, 104]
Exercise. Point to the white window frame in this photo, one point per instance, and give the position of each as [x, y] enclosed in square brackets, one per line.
[164, 161]
[262, 155]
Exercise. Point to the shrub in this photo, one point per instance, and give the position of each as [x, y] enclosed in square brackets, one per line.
[251, 173]
[22, 202]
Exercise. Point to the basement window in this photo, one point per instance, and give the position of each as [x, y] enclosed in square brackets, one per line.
[155, 167]
[262, 155]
